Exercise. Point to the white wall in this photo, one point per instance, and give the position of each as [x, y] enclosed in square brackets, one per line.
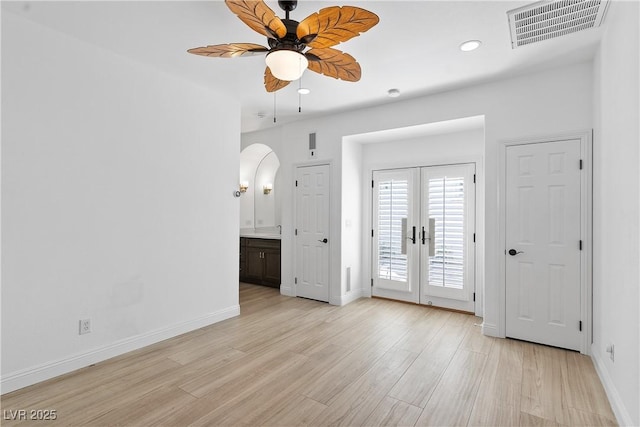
[117, 204]
[616, 215]
[546, 103]
[353, 217]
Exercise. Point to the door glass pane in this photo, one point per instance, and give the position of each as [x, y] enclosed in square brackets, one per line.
[446, 206]
[393, 204]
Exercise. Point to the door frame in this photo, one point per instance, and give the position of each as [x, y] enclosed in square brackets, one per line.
[332, 238]
[367, 223]
[586, 218]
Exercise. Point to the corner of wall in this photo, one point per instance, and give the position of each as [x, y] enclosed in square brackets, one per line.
[287, 290]
[617, 405]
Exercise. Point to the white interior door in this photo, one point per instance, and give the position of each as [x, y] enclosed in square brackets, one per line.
[543, 243]
[395, 235]
[422, 235]
[312, 232]
[448, 224]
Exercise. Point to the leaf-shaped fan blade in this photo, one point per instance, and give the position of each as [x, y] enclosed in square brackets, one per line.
[333, 63]
[230, 50]
[271, 83]
[257, 15]
[333, 25]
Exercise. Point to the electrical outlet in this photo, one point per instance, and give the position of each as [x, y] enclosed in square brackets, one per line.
[85, 326]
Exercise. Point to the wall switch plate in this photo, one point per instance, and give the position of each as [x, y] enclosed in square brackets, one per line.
[611, 350]
[85, 326]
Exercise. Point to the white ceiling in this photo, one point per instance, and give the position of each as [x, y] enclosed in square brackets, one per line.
[414, 48]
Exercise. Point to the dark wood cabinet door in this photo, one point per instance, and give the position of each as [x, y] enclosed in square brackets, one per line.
[254, 265]
[243, 259]
[271, 260]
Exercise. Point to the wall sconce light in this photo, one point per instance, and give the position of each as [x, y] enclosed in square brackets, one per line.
[244, 186]
[267, 188]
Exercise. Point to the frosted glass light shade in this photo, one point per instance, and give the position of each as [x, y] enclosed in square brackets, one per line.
[286, 65]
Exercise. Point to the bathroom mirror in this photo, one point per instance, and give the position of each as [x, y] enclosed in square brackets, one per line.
[259, 202]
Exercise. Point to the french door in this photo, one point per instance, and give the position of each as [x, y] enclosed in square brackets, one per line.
[423, 235]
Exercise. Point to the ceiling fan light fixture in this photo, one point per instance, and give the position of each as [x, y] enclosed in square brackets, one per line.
[286, 64]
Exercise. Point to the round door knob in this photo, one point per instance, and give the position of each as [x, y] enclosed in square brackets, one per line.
[323, 240]
[513, 252]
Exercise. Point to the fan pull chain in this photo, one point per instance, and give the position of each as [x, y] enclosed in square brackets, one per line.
[274, 107]
[299, 95]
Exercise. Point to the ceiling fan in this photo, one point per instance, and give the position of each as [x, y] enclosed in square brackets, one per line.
[286, 57]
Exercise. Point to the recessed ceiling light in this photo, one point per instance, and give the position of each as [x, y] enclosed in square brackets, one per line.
[304, 91]
[393, 93]
[470, 45]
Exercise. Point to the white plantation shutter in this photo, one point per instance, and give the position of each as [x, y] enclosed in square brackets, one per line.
[393, 205]
[446, 206]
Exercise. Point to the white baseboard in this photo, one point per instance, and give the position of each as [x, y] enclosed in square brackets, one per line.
[26, 377]
[346, 299]
[620, 411]
[490, 330]
[287, 291]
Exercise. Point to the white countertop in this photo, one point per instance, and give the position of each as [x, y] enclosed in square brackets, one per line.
[259, 234]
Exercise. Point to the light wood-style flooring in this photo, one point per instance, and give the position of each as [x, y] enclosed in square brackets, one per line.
[291, 361]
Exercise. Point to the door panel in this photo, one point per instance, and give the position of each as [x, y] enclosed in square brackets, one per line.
[312, 225]
[448, 204]
[543, 229]
[395, 222]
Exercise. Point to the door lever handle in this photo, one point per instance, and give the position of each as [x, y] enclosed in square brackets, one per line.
[513, 252]
[323, 240]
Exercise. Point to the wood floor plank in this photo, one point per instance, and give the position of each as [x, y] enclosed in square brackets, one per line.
[151, 408]
[582, 389]
[253, 366]
[353, 365]
[393, 412]
[299, 411]
[417, 384]
[501, 382]
[422, 332]
[289, 361]
[498, 403]
[355, 403]
[529, 420]
[474, 340]
[542, 394]
[495, 415]
[452, 401]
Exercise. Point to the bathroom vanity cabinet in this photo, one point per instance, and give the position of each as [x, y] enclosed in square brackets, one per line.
[260, 261]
